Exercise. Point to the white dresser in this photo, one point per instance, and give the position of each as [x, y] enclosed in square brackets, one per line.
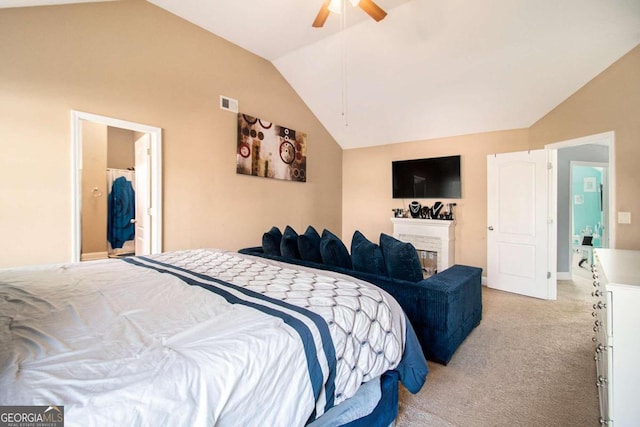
[616, 275]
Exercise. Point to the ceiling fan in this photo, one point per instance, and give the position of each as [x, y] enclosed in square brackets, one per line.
[372, 9]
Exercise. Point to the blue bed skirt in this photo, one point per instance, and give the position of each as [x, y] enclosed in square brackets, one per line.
[375, 404]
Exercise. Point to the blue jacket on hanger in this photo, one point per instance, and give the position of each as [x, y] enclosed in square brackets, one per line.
[121, 210]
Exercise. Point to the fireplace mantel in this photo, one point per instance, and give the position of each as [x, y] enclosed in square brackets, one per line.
[435, 235]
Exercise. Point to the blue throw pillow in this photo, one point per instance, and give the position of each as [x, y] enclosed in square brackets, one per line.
[289, 244]
[309, 245]
[333, 251]
[271, 241]
[400, 259]
[366, 256]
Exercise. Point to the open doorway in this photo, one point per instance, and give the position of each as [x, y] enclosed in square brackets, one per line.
[595, 149]
[115, 155]
[589, 211]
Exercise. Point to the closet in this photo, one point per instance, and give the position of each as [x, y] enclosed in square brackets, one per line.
[108, 191]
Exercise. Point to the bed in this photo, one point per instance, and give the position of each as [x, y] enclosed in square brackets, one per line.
[198, 337]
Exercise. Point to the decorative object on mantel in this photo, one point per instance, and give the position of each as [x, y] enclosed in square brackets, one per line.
[414, 208]
[399, 213]
[435, 210]
[425, 212]
[449, 214]
[418, 211]
[269, 150]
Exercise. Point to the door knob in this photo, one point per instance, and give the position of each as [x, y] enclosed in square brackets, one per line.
[490, 228]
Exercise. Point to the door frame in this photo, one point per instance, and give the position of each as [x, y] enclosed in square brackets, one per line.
[155, 232]
[605, 138]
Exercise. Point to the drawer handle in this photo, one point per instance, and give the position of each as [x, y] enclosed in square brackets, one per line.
[597, 293]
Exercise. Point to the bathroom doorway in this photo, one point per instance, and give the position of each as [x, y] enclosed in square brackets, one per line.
[112, 155]
[589, 210]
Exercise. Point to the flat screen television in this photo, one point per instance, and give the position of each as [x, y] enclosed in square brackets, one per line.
[432, 178]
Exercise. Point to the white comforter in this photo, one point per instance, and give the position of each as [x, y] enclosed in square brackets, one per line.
[131, 343]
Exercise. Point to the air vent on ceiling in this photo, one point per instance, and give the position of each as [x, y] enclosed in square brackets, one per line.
[228, 104]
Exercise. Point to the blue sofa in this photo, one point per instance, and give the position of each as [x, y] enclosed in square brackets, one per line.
[443, 309]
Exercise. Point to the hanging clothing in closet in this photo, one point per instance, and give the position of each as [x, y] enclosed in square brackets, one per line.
[121, 208]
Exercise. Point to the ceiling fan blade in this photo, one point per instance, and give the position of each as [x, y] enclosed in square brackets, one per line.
[322, 15]
[372, 9]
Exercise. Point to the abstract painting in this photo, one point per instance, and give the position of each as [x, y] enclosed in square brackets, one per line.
[269, 150]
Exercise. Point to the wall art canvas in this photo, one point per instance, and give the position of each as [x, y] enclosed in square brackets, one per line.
[271, 151]
[589, 184]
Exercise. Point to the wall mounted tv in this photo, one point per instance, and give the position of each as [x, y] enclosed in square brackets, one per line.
[437, 177]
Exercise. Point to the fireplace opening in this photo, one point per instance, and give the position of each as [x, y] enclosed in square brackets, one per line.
[429, 262]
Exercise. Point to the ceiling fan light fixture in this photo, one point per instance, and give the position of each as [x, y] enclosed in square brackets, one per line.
[335, 6]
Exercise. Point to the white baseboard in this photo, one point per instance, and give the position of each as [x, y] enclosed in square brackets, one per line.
[91, 256]
[561, 275]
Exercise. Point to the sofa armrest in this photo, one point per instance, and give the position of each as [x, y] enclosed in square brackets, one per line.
[443, 309]
[451, 307]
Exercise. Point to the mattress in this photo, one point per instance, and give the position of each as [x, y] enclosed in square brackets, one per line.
[196, 337]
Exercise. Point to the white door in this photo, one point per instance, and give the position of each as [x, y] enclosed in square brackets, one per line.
[143, 195]
[518, 224]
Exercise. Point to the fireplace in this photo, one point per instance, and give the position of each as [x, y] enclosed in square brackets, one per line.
[428, 261]
[428, 236]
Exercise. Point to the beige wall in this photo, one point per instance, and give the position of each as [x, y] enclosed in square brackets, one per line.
[94, 176]
[131, 60]
[367, 200]
[120, 148]
[610, 102]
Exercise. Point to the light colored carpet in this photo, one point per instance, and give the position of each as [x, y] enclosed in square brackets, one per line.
[528, 363]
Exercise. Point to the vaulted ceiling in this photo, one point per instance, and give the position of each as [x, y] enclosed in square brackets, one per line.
[431, 68]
